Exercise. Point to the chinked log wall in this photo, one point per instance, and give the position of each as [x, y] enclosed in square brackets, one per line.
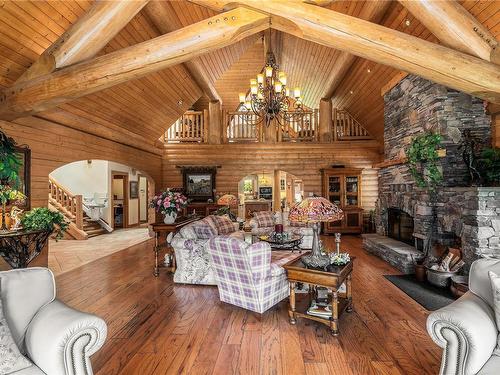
[300, 159]
[54, 145]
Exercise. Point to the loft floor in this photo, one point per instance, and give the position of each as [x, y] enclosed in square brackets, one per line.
[158, 327]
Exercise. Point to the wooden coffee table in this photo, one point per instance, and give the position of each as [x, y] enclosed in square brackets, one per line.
[332, 279]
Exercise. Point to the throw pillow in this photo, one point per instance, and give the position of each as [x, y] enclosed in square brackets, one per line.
[495, 286]
[210, 221]
[264, 218]
[11, 359]
[203, 230]
[224, 224]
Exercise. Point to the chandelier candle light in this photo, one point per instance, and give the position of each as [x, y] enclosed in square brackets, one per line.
[315, 210]
[270, 98]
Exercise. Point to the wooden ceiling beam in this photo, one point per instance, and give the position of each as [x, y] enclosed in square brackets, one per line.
[455, 27]
[382, 45]
[86, 37]
[163, 17]
[372, 11]
[133, 62]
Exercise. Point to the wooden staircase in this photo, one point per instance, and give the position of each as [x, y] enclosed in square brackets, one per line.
[71, 206]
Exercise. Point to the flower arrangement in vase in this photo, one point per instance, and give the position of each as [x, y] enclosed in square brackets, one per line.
[169, 203]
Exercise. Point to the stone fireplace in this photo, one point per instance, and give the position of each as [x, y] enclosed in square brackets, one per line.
[463, 217]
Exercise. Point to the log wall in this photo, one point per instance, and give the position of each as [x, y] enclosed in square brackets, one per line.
[53, 145]
[303, 160]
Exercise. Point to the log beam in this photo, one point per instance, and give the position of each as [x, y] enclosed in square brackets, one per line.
[133, 62]
[382, 45]
[163, 17]
[455, 27]
[372, 11]
[86, 37]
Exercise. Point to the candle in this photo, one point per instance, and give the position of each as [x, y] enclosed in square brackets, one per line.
[269, 71]
[253, 82]
[242, 97]
[296, 93]
[254, 89]
[260, 78]
[278, 87]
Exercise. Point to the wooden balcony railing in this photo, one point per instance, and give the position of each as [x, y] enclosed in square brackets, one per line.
[71, 206]
[301, 126]
[347, 128]
[240, 127]
[190, 127]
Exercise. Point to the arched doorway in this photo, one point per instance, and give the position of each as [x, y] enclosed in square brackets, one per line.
[269, 189]
[107, 206]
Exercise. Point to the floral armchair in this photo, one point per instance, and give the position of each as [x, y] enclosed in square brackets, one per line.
[249, 276]
[193, 262]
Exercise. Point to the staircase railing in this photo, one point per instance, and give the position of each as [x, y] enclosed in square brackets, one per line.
[68, 204]
[347, 128]
[190, 127]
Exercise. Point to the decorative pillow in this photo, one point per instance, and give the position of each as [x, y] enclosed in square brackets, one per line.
[11, 359]
[224, 224]
[210, 221]
[203, 230]
[187, 231]
[264, 218]
[495, 287]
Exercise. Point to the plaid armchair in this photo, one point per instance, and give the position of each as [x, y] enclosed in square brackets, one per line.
[247, 275]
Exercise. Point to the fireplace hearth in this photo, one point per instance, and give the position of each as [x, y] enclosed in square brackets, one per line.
[400, 225]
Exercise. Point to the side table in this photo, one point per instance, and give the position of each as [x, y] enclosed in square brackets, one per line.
[332, 279]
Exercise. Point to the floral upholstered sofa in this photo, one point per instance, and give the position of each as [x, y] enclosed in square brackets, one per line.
[263, 223]
[193, 261]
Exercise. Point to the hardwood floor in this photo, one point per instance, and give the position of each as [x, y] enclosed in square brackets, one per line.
[157, 327]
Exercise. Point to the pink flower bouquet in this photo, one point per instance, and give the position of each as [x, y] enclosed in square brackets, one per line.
[168, 202]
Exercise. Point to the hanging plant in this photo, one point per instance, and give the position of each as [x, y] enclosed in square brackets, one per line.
[422, 158]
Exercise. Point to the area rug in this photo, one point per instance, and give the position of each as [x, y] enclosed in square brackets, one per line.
[427, 295]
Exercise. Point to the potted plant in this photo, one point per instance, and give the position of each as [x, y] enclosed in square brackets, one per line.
[169, 203]
[422, 158]
[42, 218]
[9, 175]
[489, 164]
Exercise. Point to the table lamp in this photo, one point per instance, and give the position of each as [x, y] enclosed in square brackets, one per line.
[227, 200]
[315, 210]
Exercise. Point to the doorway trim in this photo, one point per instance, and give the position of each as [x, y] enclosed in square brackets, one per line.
[125, 198]
[139, 198]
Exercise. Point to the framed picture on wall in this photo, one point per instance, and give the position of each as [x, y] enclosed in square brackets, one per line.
[134, 189]
[199, 183]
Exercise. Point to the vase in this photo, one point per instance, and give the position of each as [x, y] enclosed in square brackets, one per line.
[170, 218]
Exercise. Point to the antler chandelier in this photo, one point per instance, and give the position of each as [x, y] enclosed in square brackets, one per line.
[269, 97]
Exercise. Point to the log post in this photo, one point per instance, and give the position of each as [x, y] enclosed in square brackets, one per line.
[276, 191]
[214, 122]
[325, 120]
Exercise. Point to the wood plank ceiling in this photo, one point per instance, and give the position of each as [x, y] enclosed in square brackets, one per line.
[138, 111]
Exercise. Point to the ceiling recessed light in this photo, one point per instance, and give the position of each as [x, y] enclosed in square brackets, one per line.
[407, 22]
[369, 70]
[351, 92]
[179, 103]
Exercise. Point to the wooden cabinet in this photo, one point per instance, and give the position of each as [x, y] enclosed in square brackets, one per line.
[342, 186]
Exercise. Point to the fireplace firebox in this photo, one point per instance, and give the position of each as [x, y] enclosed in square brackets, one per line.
[400, 226]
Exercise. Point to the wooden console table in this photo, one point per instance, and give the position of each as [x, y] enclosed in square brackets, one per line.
[19, 248]
[162, 228]
[332, 279]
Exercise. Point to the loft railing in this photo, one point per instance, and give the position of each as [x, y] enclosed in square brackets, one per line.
[347, 128]
[299, 126]
[190, 127]
[68, 204]
[241, 127]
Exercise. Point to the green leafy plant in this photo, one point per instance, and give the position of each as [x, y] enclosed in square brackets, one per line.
[489, 164]
[42, 218]
[9, 162]
[422, 160]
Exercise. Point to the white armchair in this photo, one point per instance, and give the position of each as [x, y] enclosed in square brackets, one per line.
[56, 338]
[466, 329]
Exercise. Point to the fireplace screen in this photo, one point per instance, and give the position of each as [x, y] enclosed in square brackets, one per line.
[400, 226]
